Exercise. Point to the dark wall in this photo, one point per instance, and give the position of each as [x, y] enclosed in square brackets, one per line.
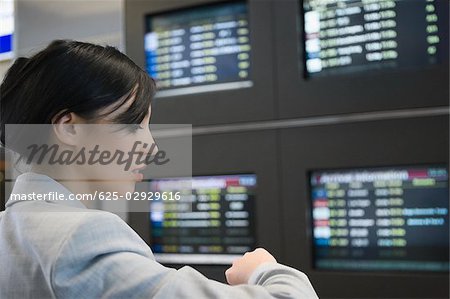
[375, 90]
[248, 104]
[374, 119]
[281, 89]
[368, 144]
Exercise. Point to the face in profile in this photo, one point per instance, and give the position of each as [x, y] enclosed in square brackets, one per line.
[121, 151]
[104, 156]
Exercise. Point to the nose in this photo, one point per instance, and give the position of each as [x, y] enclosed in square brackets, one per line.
[152, 148]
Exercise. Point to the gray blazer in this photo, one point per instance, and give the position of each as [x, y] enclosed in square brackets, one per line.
[60, 249]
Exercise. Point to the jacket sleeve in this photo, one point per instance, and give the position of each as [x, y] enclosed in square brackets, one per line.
[104, 258]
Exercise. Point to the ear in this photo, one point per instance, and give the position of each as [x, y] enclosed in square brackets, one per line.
[66, 129]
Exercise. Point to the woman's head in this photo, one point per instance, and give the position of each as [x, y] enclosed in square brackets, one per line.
[71, 82]
[70, 76]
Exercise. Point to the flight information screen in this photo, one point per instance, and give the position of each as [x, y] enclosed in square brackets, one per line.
[381, 219]
[346, 36]
[199, 49]
[212, 222]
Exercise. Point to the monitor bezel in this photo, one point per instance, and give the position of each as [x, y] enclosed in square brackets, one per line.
[358, 92]
[310, 220]
[367, 72]
[253, 209]
[206, 87]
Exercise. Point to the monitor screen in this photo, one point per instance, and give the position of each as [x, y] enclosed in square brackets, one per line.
[199, 49]
[346, 36]
[389, 219]
[6, 29]
[212, 222]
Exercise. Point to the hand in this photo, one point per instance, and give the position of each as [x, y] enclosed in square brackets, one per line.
[243, 267]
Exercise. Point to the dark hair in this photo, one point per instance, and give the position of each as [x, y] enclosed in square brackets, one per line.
[71, 76]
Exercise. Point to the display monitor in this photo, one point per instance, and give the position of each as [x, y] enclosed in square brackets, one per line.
[211, 222]
[347, 36]
[387, 219]
[199, 49]
[6, 29]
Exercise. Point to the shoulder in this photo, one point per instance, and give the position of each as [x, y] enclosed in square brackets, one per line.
[100, 250]
[51, 228]
[51, 223]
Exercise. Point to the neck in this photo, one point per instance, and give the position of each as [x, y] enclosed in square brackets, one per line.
[71, 179]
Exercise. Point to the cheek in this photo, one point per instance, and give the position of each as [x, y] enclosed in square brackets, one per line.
[123, 141]
[118, 144]
[112, 145]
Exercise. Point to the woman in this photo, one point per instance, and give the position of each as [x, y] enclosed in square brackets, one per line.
[61, 249]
